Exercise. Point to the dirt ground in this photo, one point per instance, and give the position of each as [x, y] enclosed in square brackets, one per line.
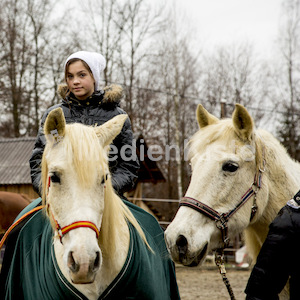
[207, 284]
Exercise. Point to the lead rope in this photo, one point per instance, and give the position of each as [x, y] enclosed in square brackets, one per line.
[219, 260]
[222, 219]
[219, 254]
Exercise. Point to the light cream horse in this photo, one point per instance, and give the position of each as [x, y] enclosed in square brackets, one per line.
[100, 250]
[76, 164]
[234, 167]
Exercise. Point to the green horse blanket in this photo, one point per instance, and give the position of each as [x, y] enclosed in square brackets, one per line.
[30, 270]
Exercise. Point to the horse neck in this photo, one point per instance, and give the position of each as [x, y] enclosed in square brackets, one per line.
[114, 242]
[281, 176]
[114, 256]
[279, 184]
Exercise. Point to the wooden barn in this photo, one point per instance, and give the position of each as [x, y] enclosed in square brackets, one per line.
[15, 170]
[149, 172]
[14, 166]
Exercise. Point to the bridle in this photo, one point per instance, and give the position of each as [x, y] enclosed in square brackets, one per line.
[221, 219]
[62, 231]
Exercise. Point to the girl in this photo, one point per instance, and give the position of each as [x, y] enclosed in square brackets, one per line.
[84, 102]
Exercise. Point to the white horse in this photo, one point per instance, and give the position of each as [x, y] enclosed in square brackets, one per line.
[241, 177]
[96, 234]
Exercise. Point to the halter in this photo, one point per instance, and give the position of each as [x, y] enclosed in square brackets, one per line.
[222, 219]
[62, 231]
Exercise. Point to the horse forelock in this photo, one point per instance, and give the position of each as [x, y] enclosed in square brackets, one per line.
[81, 148]
[222, 131]
[85, 153]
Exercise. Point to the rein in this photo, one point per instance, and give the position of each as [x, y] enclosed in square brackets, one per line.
[222, 219]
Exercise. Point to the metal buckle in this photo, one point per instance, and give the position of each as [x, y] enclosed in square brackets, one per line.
[255, 188]
[264, 167]
[221, 223]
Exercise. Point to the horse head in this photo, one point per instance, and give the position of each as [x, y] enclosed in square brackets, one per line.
[227, 161]
[74, 174]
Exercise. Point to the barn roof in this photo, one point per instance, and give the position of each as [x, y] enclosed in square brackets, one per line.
[14, 160]
[15, 154]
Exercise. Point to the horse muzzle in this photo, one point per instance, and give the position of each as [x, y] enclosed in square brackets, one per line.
[83, 271]
[181, 253]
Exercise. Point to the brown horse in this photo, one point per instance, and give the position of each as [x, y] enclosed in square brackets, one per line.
[11, 205]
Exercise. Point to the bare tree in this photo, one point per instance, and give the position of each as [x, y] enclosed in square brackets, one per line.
[105, 30]
[38, 12]
[15, 59]
[233, 73]
[140, 26]
[177, 75]
[289, 39]
[23, 39]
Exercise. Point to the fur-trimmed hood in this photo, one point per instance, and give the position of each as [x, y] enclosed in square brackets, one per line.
[112, 93]
[96, 110]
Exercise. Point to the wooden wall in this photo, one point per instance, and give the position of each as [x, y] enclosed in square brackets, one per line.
[21, 189]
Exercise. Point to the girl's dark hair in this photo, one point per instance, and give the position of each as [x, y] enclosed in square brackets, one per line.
[72, 60]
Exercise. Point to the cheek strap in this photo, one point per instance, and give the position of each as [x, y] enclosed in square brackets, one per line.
[48, 184]
[64, 230]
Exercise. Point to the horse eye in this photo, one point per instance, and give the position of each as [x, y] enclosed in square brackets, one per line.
[230, 166]
[55, 178]
[103, 180]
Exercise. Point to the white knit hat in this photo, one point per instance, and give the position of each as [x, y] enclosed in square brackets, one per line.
[95, 61]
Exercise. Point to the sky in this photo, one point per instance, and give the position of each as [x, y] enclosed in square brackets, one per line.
[227, 22]
[220, 22]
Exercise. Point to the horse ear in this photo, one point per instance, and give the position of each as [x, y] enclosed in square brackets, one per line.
[55, 125]
[204, 118]
[242, 122]
[110, 129]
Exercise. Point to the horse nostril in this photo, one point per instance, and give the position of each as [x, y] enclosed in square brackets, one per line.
[182, 244]
[97, 261]
[72, 264]
[181, 241]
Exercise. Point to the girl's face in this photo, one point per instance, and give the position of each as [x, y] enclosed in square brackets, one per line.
[80, 81]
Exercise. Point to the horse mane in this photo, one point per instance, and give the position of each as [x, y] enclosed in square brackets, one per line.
[115, 210]
[84, 155]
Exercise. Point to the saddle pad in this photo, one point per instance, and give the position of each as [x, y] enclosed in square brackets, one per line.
[33, 272]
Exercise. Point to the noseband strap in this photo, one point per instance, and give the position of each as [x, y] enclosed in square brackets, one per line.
[62, 231]
[222, 219]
